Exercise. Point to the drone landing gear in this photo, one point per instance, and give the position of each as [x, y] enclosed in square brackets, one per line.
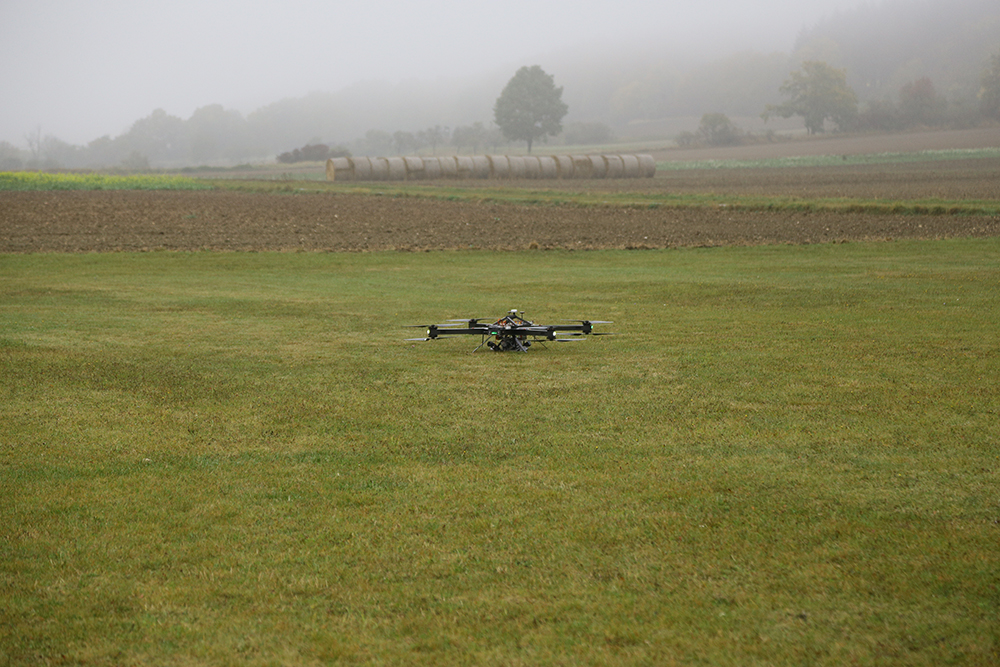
[506, 344]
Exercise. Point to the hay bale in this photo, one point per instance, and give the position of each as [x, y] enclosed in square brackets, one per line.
[531, 167]
[414, 168]
[432, 168]
[564, 166]
[464, 166]
[397, 169]
[647, 165]
[547, 167]
[613, 166]
[339, 169]
[499, 166]
[630, 166]
[582, 166]
[517, 168]
[598, 167]
[449, 168]
[362, 168]
[480, 166]
[380, 168]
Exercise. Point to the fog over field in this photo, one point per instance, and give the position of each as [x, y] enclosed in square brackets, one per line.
[82, 70]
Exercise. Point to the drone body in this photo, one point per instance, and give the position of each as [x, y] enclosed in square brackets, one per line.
[512, 332]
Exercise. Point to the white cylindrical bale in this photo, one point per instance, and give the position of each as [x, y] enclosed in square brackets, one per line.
[517, 168]
[380, 168]
[531, 167]
[613, 166]
[647, 165]
[598, 167]
[362, 168]
[414, 168]
[499, 166]
[564, 166]
[480, 166]
[547, 167]
[449, 168]
[464, 166]
[582, 166]
[630, 166]
[397, 169]
[432, 168]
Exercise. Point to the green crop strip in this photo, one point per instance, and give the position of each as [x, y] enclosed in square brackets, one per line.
[33, 181]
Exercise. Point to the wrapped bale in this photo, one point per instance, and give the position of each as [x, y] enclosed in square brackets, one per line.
[531, 167]
[397, 169]
[517, 168]
[480, 166]
[564, 166]
[630, 166]
[499, 166]
[341, 166]
[613, 167]
[449, 168]
[380, 169]
[547, 167]
[414, 168]
[362, 168]
[598, 167]
[647, 165]
[582, 166]
[464, 166]
[432, 168]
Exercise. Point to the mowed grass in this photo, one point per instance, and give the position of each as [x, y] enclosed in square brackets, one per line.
[790, 455]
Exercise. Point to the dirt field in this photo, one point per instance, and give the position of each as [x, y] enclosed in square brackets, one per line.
[220, 220]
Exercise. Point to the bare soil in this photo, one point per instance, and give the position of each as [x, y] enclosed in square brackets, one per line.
[226, 220]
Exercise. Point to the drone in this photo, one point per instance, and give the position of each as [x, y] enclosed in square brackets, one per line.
[511, 332]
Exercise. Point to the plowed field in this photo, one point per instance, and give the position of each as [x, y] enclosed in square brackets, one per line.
[227, 220]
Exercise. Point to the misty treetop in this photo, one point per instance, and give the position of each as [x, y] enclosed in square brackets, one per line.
[530, 106]
[817, 92]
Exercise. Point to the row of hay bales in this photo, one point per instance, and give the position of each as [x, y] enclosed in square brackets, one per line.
[489, 166]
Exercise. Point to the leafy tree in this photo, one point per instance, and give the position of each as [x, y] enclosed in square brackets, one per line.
[717, 130]
[817, 92]
[376, 142]
[920, 104]
[433, 136]
[160, 137]
[405, 142]
[11, 158]
[989, 94]
[530, 106]
[471, 136]
[214, 132]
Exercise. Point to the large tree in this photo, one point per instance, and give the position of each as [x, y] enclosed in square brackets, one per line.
[530, 106]
[989, 94]
[817, 92]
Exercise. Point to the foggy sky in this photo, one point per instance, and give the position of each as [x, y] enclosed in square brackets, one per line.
[79, 70]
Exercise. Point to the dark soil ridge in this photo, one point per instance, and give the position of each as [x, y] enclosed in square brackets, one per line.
[237, 221]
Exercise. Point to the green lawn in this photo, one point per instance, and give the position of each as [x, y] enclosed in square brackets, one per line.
[790, 455]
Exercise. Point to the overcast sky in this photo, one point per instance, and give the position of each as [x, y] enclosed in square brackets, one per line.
[82, 69]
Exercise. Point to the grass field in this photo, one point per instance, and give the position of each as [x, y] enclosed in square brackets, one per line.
[790, 455]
